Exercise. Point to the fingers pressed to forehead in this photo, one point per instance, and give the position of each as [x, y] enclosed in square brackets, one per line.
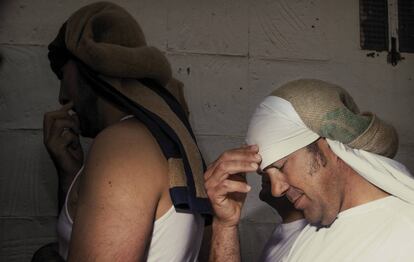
[225, 168]
[238, 177]
[240, 154]
[251, 147]
[249, 153]
[230, 186]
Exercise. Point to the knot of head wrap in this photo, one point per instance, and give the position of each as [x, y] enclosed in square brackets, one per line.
[330, 111]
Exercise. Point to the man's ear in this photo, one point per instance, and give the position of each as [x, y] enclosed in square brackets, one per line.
[327, 151]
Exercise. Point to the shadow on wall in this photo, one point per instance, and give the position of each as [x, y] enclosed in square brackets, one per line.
[1, 60]
[3, 4]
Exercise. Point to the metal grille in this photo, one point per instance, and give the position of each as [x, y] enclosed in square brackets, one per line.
[373, 17]
[406, 25]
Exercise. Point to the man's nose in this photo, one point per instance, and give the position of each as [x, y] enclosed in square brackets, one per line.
[279, 184]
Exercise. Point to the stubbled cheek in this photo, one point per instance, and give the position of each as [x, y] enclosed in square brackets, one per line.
[313, 165]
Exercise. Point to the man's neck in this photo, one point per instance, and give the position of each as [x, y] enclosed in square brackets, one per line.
[359, 191]
[111, 114]
[291, 216]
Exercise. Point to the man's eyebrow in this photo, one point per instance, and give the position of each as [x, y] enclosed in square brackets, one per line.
[278, 167]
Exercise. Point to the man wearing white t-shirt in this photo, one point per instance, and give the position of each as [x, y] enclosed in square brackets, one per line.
[284, 235]
[331, 162]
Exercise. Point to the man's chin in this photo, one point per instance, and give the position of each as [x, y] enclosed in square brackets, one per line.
[320, 223]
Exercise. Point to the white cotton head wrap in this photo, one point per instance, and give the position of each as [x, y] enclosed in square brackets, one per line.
[279, 131]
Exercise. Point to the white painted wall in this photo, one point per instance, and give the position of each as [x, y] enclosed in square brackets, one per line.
[229, 54]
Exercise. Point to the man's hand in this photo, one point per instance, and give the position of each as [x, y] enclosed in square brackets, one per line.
[61, 138]
[226, 185]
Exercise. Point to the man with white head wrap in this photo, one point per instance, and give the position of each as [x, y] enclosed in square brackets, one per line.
[334, 164]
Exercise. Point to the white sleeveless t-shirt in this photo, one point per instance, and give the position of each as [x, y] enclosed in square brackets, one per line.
[176, 235]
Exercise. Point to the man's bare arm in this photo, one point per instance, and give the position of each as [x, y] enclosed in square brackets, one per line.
[119, 192]
[227, 188]
[225, 244]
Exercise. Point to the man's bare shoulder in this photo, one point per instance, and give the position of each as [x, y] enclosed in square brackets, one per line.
[123, 182]
[126, 149]
[130, 131]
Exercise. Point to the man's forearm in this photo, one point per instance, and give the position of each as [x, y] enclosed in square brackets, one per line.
[225, 244]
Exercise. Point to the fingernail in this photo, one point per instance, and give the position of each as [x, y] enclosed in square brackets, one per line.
[258, 157]
[248, 187]
[71, 112]
[254, 165]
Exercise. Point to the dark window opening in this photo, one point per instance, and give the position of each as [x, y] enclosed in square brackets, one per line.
[373, 16]
[406, 25]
